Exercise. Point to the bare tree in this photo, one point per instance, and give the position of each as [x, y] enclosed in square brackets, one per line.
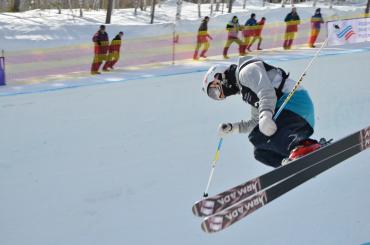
[59, 6]
[199, 5]
[16, 5]
[143, 5]
[217, 5]
[81, 2]
[152, 12]
[230, 6]
[136, 5]
[109, 11]
[178, 9]
[330, 4]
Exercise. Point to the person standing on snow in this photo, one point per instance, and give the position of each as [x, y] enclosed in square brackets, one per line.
[114, 52]
[101, 45]
[292, 21]
[249, 30]
[233, 29]
[264, 88]
[257, 34]
[202, 39]
[316, 21]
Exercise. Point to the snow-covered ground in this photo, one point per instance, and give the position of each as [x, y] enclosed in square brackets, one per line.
[41, 45]
[120, 158]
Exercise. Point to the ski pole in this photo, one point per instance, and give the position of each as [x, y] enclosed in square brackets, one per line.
[299, 80]
[215, 159]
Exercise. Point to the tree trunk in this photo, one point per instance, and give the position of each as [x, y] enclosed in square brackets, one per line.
[143, 5]
[16, 5]
[59, 6]
[217, 5]
[178, 9]
[230, 6]
[109, 11]
[367, 8]
[199, 5]
[152, 12]
[136, 6]
[81, 5]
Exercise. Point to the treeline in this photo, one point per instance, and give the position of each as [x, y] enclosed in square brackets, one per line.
[23, 5]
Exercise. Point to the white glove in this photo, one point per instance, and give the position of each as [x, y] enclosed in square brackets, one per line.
[227, 129]
[266, 124]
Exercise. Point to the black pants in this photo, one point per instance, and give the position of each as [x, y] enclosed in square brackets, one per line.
[272, 150]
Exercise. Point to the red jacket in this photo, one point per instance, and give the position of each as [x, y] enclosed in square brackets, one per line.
[292, 21]
[101, 41]
[203, 35]
[259, 28]
[115, 45]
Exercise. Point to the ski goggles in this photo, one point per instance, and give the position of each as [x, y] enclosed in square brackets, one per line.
[215, 90]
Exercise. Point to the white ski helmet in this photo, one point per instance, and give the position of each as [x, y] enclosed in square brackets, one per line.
[216, 72]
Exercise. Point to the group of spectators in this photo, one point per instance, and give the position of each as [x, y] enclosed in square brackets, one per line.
[103, 51]
[251, 32]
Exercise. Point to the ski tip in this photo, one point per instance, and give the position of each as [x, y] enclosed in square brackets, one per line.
[195, 210]
[212, 224]
[205, 228]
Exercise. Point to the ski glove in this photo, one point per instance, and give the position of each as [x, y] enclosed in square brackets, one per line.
[227, 129]
[267, 126]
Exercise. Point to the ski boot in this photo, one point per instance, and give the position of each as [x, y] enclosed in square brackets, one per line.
[303, 148]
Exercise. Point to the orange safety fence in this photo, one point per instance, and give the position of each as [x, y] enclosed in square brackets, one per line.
[43, 63]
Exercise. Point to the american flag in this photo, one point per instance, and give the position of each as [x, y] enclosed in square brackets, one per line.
[346, 33]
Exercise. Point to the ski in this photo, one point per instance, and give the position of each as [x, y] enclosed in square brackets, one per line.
[227, 217]
[228, 198]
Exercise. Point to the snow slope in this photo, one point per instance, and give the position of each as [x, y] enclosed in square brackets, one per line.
[122, 163]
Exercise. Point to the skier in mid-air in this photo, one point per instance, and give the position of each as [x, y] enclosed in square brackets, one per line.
[265, 87]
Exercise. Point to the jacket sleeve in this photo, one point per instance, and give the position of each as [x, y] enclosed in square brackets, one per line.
[254, 76]
[95, 38]
[248, 126]
[287, 18]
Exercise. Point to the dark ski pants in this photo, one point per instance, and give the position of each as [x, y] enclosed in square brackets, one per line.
[291, 130]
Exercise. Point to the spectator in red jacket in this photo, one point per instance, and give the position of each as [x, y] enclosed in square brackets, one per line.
[202, 39]
[292, 21]
[101, 45]
[257, 34]
[114, 52]
[316, 21]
